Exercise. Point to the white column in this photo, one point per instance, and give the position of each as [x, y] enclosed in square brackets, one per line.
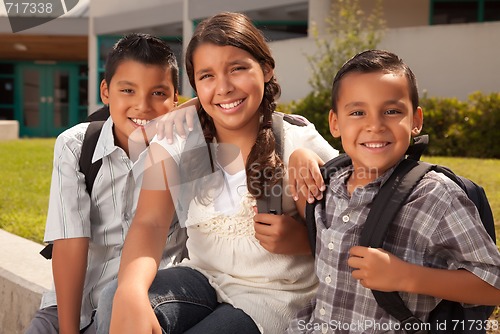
[318, 11]
[94, 98]
[187, 33]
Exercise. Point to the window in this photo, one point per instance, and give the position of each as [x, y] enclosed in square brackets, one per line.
[7, 91]
[464, 11]
[492, 10]
[280, 30]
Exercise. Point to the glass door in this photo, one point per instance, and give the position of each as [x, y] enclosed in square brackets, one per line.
[48, 99]
[32, 101]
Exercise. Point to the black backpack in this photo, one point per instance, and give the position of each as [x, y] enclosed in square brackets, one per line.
[391, 197]
[88, 168]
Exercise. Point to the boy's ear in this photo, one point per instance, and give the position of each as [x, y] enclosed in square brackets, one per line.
[418, 122]
[176, 99]
[104, 92]
[333, 121]
[268, 72]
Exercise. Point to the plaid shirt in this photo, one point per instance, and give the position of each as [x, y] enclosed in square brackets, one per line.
[437, 227]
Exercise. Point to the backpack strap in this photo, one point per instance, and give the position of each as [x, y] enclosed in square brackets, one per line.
[88, 168]
[389, 200]
[271, 202]
[100, 114]
[387, 203]
[418, 147]
[327, 170]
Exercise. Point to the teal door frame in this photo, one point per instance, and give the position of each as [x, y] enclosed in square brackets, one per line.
[46, 98]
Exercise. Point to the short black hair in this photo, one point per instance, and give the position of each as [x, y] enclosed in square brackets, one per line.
[372, 61]
[145, 49]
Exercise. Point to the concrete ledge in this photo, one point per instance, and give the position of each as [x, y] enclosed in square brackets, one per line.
[24, 276]
[9, 130]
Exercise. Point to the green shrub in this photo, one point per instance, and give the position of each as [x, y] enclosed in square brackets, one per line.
[465, 129]
[480, 126]
[315, 107]
[441, 117]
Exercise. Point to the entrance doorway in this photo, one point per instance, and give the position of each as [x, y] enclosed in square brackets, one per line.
[48, 98]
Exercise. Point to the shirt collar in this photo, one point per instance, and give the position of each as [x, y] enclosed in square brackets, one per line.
[338, 182]
[106, 142]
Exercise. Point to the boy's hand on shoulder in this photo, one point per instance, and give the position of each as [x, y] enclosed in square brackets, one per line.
[378, 269]
[281, 234]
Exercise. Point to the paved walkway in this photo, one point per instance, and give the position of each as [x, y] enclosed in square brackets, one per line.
[24, 275]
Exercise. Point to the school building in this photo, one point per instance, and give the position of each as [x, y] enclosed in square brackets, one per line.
[50, 72]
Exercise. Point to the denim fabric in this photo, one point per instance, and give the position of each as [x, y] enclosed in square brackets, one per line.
[184, 302]
[46, 321]
[103, 315]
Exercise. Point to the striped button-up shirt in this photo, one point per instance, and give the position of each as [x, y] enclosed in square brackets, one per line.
[437, 227]
[104, 218]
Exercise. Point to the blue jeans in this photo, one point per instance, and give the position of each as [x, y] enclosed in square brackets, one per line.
[103, 313]
[46, 321]
[184, 302]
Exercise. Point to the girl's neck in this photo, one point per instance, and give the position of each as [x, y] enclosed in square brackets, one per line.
[240, 138]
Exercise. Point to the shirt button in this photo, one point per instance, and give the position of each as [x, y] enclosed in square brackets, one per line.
[322, 311]
[330, 245]
[328, 280]
[345, 218]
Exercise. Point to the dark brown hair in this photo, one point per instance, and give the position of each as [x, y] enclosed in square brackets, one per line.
[235, 29]
[145, 49]
[370, 61]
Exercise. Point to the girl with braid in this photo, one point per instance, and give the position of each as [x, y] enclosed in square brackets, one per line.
[247, 272]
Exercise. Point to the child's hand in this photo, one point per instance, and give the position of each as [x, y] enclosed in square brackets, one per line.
[185, 113]
[378, 269]
[281, 234]
[305, 176]
[132, 313]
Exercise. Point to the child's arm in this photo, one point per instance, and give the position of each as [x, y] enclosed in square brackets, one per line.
[380, 270]
[304, 175]
[70, 249]
[142, 251]
[69, 264]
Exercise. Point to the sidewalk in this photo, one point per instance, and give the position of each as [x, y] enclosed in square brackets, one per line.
[24, 276]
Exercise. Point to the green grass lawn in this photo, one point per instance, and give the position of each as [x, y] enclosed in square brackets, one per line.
[26, 167]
